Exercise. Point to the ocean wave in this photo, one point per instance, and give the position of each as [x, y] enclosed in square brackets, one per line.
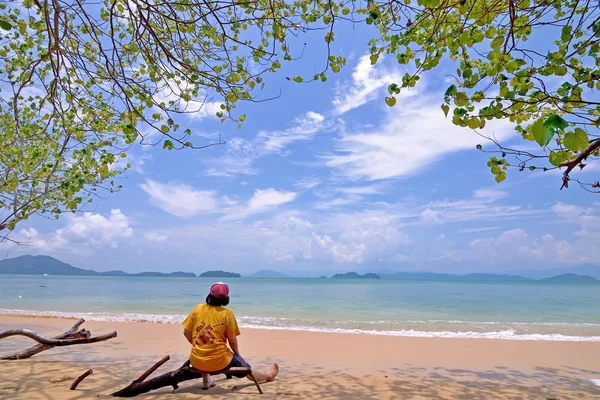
[275, 323]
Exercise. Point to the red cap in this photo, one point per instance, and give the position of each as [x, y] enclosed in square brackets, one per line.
[219, 290]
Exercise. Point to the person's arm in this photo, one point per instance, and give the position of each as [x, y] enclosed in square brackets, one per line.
[188, 327]
[188, 335]
[233, 343]
[232, 333]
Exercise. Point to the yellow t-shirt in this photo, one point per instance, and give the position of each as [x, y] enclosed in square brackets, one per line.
[211, 327]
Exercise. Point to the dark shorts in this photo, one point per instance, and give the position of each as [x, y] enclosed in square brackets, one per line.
[237, 362]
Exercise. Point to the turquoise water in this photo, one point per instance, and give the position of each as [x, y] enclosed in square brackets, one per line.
[503, 310]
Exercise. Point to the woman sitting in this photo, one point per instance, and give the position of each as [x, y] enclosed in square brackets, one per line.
[210, 328]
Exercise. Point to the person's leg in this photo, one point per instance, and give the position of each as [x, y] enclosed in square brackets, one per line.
[265, 374]
[207, 382]
[259, 374]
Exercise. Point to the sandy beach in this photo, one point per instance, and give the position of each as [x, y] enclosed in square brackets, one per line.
[313, 365]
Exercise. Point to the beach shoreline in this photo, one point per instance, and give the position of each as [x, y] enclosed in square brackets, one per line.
[312, 363]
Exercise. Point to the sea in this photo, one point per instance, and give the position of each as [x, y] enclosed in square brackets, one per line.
[531, 310]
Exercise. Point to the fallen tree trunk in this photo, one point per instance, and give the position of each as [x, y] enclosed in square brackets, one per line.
[173, 378]
[68, 338]
[184, 373]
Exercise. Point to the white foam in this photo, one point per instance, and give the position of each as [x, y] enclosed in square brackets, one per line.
[272, 323]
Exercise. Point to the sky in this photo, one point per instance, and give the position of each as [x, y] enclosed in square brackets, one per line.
[327, 178]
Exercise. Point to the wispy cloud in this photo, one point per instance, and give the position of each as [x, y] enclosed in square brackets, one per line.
[240, 154]
[261, 201]
[478, 230]
[414, 136]
[179, 199]
[367, 80]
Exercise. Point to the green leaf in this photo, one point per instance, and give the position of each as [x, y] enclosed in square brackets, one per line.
[168, 145]
[557, 157]
[104, 171]
[390, 101]
[541, 133]
[374, 58]
[346, 11]
[430, 3]
[576, 141]
[556, 121]
[500, 177]
[450, 91]
[5, 25]
[298, 79]
[461, 99]
[473, 123]
[445, 108]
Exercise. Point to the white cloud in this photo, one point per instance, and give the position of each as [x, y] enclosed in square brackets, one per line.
[179, 199]
[303, 128]
[95, 229]
[83, 233]
[307, 183]
[577, 215]
[29, 233]
[414, 135]
[240, 153]
[367, 80]
[490, 194]
[485, 205]
[261, 201]
[567, 211]
[207, 110]
[198, 108]
[430, 217]
[156, 236]
[478, 230]
[360, 190]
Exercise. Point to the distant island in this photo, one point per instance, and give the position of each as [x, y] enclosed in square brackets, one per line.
[354, 275]
[267, 273]
[219, 274]
[571, 278]
[46, 265]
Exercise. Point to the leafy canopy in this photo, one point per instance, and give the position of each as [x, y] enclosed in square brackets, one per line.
[83, 81]
[533, 62]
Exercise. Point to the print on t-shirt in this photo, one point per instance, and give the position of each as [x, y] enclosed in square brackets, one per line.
[204, 334]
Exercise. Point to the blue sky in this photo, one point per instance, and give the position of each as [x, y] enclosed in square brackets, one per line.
[327, 178]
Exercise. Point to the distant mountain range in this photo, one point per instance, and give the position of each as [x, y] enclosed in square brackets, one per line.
[41, 265]
[267, 273]
[45, 265]
[570, 277]
[592, 270]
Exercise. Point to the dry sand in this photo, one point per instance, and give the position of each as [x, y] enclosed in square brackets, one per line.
[313, 365]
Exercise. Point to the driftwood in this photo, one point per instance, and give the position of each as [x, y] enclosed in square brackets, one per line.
[80, 378]
[68, 338]
[184, 373]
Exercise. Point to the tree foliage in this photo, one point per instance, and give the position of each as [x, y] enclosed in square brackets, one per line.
[83, 81]
[533, 62]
